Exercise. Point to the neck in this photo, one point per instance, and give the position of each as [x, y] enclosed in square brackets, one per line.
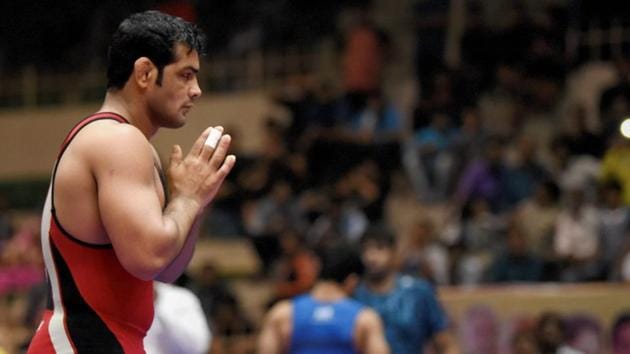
[381, 285]
[328, 291]
[130, 106]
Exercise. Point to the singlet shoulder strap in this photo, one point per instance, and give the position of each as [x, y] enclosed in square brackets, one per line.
[84, 122]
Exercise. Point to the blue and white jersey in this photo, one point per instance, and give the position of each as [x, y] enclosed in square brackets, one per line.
[323, 327]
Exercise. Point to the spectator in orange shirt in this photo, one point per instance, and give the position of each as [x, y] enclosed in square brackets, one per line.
[296, 270]
[363, 59]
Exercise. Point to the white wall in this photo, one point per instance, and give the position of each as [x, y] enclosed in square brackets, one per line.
[30, 139]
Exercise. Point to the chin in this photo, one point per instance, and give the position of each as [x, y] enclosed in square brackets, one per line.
[177, 121]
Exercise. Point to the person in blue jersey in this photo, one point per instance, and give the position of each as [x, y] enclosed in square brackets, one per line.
[408, 306]
[325, 320]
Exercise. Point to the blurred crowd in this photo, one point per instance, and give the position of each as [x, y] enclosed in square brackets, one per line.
[517, 149]
[524, 158]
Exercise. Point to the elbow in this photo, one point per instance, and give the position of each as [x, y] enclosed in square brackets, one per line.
[147, 263]
[146, 252]
[144, 269]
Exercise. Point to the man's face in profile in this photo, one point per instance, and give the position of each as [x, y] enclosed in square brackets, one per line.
[171, 100]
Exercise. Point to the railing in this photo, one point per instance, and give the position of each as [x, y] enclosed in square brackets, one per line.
[598, 40]
[220, 73]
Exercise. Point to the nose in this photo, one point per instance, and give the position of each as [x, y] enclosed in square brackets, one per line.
[195, 90]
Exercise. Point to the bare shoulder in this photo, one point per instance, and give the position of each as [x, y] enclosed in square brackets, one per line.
[110, 134]
[282, 311]
[368, 318]
[108, 141]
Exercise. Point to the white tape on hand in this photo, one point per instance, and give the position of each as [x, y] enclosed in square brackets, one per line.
[213, 138]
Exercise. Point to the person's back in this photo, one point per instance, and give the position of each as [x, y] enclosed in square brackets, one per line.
[323, 327]
[325, 320]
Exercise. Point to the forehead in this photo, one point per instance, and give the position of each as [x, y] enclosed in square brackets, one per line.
[375, 245]
[184, 57]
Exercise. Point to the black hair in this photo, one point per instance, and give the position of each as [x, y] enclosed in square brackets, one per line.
[338, 262]
[380, 234]
[150, 34]
[552, 189]
[612, 184]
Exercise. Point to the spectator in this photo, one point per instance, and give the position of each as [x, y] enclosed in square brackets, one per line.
[296, 269]
[576, 238]
[537, 216]
[484, 178]
[179, 325]
[433, 149]
[363, 60]
[481, 238]
[469, 140]
[517, 264]
[551, 335]
[267, 217]
[523, 173]
[614, 223]
[615, 166]
[423, 321]
[423, 257]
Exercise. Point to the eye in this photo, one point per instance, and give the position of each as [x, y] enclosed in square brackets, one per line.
[187, 76]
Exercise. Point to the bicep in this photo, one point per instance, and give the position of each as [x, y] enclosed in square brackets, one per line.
[270, 340]
[128, 202]
[373, 335]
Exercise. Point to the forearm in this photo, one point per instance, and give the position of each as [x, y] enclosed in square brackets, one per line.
[180, 227]
[175, 269]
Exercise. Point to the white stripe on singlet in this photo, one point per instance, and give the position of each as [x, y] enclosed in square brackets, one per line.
[56, 327]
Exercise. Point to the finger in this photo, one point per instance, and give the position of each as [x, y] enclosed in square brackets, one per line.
[227, 166]
[218, 157]
[198, 145]
[176, 155]
[211, 143]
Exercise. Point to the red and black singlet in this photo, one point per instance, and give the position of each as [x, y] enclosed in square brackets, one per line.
[94, 305]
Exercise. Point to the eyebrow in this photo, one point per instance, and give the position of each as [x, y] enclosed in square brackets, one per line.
[190, 67]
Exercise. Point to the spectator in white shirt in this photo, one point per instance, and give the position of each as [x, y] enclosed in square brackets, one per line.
[179, 325]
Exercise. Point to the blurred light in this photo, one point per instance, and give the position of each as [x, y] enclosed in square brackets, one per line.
[625, 128]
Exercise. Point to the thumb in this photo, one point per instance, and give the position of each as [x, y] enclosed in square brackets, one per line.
[176, 155]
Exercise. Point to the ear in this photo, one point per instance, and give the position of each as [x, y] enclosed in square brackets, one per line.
[350, 283]
[144, 72]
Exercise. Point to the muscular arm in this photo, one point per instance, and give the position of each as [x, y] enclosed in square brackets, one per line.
[369, 333]
[179, 264]
[275, 332]
[146, 238]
